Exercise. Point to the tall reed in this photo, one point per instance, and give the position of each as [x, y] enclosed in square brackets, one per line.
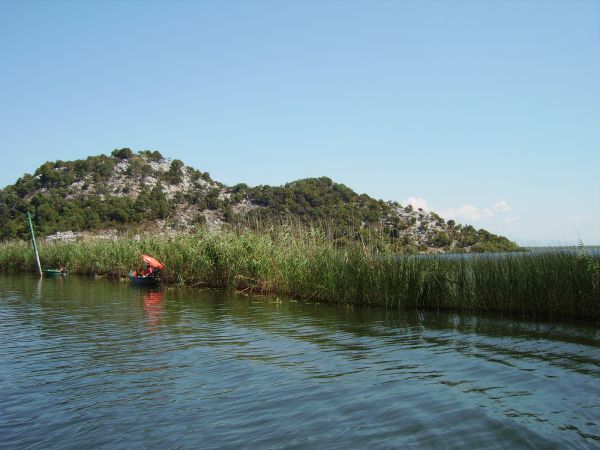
[305, 263]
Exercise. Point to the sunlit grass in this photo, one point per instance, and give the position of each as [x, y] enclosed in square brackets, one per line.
[304, 263]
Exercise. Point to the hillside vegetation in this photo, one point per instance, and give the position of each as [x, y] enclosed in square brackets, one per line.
[128, 190]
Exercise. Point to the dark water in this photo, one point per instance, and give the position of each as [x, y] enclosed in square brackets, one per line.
[95, 364]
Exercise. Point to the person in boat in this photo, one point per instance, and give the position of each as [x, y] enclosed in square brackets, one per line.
[62, 269]
[140, 272]
[147, 271]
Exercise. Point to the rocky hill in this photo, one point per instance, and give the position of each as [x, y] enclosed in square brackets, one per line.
[146, 191]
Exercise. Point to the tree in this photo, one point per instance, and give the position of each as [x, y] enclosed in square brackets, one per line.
[152, 156]
[158, 202]
[240, 187]
[212, 199]
[122, 153]
[173, 176]
[442, 239]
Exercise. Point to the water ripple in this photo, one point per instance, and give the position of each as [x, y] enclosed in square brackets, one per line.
[100, 365]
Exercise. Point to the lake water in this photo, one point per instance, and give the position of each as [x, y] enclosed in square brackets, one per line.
[99, 364]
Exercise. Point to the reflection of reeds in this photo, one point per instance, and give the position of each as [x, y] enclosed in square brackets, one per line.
[304, 263]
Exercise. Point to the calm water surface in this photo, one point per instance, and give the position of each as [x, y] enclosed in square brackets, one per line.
[96, 364]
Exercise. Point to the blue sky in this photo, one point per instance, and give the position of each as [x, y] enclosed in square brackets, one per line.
[487, 112]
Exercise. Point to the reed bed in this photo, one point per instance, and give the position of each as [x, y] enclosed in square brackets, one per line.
[307, 264]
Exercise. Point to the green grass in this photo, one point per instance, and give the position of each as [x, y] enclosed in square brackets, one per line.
[304, 263]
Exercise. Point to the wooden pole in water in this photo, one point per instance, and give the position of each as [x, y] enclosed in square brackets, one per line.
[35, 249]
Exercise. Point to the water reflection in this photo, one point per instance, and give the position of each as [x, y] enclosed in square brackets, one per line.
[235, 371]
[38, 289]
[153, 307]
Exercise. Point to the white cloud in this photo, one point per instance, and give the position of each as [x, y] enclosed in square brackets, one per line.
[579, 218]
[473, 213]
[466, 212]
[501, 206]
[417, 203]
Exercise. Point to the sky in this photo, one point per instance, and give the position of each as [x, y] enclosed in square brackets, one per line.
[487, 112]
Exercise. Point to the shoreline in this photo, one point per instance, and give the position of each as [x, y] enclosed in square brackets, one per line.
[306, 265]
